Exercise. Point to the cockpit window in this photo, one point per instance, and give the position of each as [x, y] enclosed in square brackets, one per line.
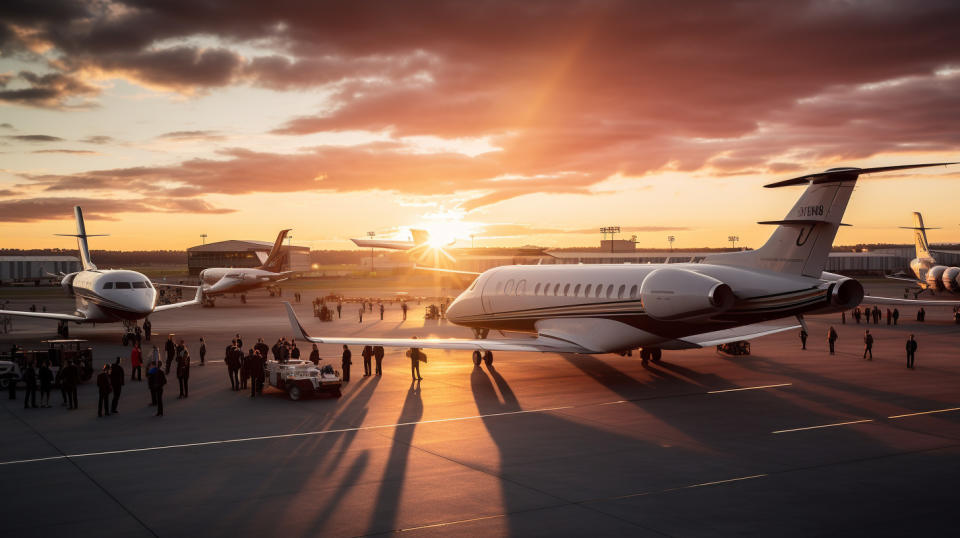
[108, 285]
[123, 285]
[139, 284]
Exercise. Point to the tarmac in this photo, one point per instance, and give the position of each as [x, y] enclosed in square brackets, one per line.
[781, 442]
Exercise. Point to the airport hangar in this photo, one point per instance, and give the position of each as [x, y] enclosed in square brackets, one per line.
[35, 268]
[243, 253]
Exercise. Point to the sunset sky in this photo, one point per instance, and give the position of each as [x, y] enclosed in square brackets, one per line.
[518, 121]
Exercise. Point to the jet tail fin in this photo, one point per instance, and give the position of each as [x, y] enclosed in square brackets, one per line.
[920, 235]
[803, 239]
[420, 237]
[82, 236]
[274, 260]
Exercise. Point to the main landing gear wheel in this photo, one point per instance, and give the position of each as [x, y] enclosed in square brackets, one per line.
[656, 354]
[294, 392]
[488, 357]
[477, 357]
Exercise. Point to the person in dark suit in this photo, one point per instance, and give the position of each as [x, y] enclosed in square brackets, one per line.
[203, 351]
[146, 329]
[367, 355]
[116, 383]
[346, 362]
[171, 349]
[911, 351]
[71, 378]
[183, 372]
[46, 383]
[263, 348]
[831, 338]
[156, 379]
[30, 379]
[803, 339]
[378, 356]
[246, 362]
[230, 360]
[315, 355]
[103, 385]
[256, 364]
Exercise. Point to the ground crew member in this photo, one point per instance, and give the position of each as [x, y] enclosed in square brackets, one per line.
[203, 351]
[831, 338]
[803, 339]
[345, 363]
[116, 383]
[171, 350]
[378, 355]
[868, 345]
[46, 382]
[103, 384]
[183, 372]
[30, 378]
[911, 351]
[367, 354]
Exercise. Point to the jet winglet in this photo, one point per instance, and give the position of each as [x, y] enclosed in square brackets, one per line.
[298, 331]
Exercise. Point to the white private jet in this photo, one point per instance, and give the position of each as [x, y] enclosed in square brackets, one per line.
[419, 238]
[104, 296]
[727, 297]
[929, 275]
[222, 280]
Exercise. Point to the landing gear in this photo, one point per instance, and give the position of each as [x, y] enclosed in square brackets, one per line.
[63, 330]
[208, 302]
[651, 353]
[488, 357]
[477, 357]
[480, 334]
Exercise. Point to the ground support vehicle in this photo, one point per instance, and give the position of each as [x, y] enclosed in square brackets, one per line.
[300, 378]
[741, 347]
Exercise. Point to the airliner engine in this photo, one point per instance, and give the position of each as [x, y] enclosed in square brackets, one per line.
[950, 279]
[680, 294]
[934, 277]
[846, 293]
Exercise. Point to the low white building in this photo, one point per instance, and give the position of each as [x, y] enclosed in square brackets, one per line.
[35, 268]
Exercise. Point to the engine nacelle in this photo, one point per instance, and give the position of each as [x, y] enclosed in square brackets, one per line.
[951, 279]
[680, 294]
[846, 293]
[67, 283]
[935, 277]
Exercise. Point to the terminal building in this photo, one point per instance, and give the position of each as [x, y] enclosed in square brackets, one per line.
[36, 268]
[238, 253]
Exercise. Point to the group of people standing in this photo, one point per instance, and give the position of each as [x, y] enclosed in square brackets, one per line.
[247, 369]
[876, 315]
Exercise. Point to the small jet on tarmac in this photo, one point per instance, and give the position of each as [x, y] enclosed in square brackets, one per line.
[419, 238]
[608, 308]
[104, 296]
[928, 275]
[216, 281]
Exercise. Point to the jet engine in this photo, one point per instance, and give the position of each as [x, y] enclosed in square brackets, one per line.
[935, 277]
[846, 293]
[950, 279]
[680, 294]
[67, 283]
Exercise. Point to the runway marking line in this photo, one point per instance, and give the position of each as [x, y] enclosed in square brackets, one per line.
[926, 412]
[325, 432]
[834, 425]
[750, 388]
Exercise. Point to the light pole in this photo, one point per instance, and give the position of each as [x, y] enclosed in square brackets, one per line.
[733, 240]
[471, 240]
[370, 235]
[203, 237]
[671, 239]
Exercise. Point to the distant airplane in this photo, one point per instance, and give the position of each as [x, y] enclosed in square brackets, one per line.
[104, 296]
[421, 238]
[216, 281]
[929, 276]
[727, 297]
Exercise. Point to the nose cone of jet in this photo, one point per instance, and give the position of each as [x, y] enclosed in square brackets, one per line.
[455, 311]
[146, 301]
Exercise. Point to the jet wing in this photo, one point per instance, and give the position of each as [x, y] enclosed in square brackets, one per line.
[869, 299]
[747, 332]
[540, 344]
[44, 315]
[902, 279]
[195, 301]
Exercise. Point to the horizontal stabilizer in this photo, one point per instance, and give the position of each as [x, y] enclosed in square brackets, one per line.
[845, 174]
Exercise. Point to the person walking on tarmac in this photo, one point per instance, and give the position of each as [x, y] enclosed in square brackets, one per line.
[203, 351]
[367, 354]
[831, 338]
[803, 338]
[183, 372]
[30, 379]
[378, 356]
[156, 379]
[229, 359]
[416, 356]
[381, 311]
[339, 308]
[136, 363]
[911, 352]
[171, 349]
[345, 363]
[868, 345]
[360, 313]
[116, 383]
[103, 384]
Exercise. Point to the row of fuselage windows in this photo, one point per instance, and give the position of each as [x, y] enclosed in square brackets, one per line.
[566, 289]
[139, 284]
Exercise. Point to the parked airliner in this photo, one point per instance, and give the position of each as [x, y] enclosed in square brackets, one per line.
[104, 296]
[929, 275]
[222, 280]
[727, 297]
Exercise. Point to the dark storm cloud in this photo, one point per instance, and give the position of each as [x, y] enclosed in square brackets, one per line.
[37, 209]
[49, 91]
[571, 91]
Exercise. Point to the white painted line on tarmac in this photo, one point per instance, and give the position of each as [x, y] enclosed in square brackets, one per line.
[825, 426]
[926, 412]
[750, 388]
[280, 436]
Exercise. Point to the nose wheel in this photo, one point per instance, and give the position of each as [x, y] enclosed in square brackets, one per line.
[486, 357]
[477, 357]
[651, 354]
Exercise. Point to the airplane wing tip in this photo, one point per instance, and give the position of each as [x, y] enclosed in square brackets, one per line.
[298, 331]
